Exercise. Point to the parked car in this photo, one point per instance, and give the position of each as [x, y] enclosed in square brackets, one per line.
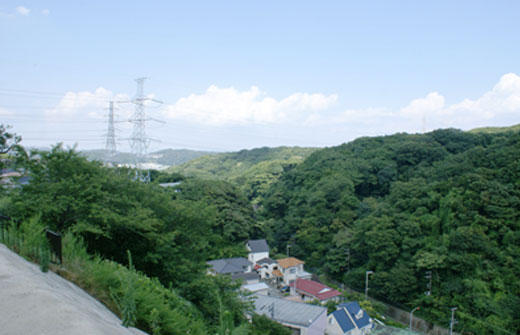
[285, 289]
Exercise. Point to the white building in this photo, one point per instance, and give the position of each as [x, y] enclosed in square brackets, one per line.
[292, 269]
[258, 249]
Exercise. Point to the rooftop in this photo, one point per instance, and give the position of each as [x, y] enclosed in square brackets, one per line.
[361, 319]
[343, 320]
[289, 262]
[258, 245]
[245, 276]
[289, 312]
[229, 265]
[266, 260]
[320, 291]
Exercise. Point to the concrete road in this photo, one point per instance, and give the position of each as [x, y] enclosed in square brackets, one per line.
[37, 303]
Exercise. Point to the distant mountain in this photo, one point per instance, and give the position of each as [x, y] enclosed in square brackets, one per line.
[159, 160]
[494, 130]
[251, 170]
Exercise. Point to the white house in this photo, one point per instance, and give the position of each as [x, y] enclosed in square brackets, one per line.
[292, 269]
[349, 319]
[258, 249]
[265, 268]
[303, 319]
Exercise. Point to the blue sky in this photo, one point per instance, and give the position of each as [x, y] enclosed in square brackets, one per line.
[244, 74]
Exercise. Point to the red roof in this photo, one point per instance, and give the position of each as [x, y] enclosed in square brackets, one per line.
[318, 290]
[257, 266]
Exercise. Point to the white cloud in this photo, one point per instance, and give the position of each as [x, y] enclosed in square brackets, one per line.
[22, 10]
[499, 106]
[222, 106]
[45, 12]
[5, 112]
[432, 103]
[90, 104]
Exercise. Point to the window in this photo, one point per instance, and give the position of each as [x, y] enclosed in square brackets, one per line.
[292, 270]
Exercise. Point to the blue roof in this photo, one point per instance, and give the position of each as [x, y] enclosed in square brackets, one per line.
[353, 308]
[343, 320]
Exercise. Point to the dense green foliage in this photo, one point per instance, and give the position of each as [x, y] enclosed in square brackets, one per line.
[401, 205]
[234, 221]
[170, 235]
[253, 171]
[446, 203]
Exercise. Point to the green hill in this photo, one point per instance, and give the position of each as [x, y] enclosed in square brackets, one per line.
[252, 170]
[493, 130]
[447, 202]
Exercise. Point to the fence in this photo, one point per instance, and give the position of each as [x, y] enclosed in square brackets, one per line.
[55, 245]
[54, 239]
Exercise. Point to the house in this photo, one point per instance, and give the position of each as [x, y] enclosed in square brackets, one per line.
[291, 269]
[258, 288]
[310, 290]
[304, 319]
[265, 268]
[349, 319]
[247, 278]
[230, 266]
[258, 249]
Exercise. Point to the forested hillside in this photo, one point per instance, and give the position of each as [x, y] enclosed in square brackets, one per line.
[253, 171]
[169, 232]
[402, 205]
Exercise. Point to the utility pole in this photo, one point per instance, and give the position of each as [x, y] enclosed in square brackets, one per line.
[288, 246]
[366, 283]
[139, 141]
[348, 259]
[429, 285]
[110, 145]
[453, 321]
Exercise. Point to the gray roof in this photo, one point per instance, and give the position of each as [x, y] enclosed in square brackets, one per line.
[258, 245]
[286, 311]
[266, 260]
[245, 276]
[229, 265]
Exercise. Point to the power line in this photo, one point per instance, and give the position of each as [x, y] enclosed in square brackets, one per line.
[139, 141]
[110, 145]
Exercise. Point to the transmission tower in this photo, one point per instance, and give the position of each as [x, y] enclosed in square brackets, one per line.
[110, 145]
[139, 141]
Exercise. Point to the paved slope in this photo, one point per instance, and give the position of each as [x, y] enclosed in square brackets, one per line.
[33, 302]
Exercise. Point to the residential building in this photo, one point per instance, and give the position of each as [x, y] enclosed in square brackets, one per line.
[310, 290]
[349, 319]
[265, 268]
[301, 318]
[230, 266]
[258, 249]
[291, 269]
[258, 288]
[246, 277]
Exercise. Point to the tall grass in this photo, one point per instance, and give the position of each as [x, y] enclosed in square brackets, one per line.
[139, 300]
[28, 239]
[136, 298]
